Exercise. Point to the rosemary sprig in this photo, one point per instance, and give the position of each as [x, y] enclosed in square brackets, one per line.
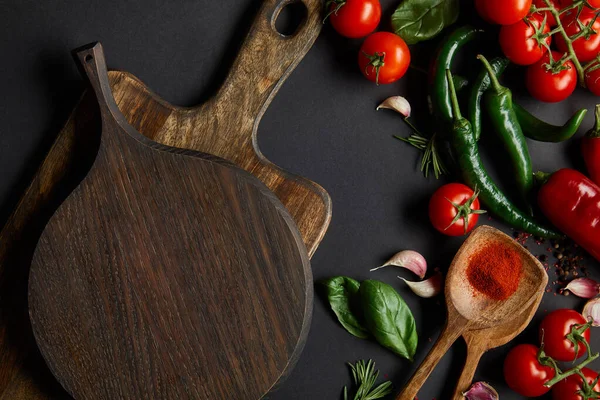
[364, 376]
[431, 156]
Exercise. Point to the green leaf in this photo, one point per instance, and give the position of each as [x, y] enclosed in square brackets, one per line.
[342, 295]
[388, 318]
[419, 20]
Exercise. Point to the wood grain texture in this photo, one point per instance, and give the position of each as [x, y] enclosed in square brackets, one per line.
[482, 340]
[469, 310]
[266, 59]
[167, 274]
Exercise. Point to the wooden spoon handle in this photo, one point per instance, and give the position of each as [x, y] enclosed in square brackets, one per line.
[453, 329]
[475, 349]
[265, 60]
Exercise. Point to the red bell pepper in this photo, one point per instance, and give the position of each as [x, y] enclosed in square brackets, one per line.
[571, 201]
[590, 147]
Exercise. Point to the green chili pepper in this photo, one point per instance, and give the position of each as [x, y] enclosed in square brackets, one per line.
[438, 87]
[532, 127]
[537, 129]
[480, 86]
[474, 173]
[499, 104]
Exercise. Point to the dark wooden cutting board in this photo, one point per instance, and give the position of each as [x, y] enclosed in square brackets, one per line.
[264, 62]
[167, 273]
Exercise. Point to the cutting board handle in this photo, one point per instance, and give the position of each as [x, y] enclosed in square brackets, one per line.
[265, 60]
[93, 64]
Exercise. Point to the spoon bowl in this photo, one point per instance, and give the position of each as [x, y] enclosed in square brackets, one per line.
[481, 310]
[469, 310]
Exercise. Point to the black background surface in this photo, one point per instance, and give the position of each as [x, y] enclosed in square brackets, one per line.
[322, 125]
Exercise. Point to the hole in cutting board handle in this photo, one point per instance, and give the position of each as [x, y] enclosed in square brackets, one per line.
[89, 58]
[290, 18]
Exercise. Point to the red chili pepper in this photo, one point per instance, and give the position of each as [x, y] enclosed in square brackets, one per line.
[571, 201]
[590, 147]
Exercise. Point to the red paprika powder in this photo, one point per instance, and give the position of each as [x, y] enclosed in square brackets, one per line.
[495, 270]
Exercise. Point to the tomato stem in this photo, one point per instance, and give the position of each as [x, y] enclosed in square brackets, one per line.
[576, 337]
[464, 210]
[567, 39]
[337, 5]
[376, 62]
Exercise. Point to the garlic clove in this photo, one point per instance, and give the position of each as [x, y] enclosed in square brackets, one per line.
[591, 311]
[408, 259]
[583, 287]
[398, 104]
[427, 288]
[481, 391]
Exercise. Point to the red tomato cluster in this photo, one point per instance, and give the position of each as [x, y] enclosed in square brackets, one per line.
[525, 40]
[384, 56]
[526, 375]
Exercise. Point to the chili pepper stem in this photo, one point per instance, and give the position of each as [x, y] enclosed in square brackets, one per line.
[541, 177]
[595, 132]
[495, 83]
[453, 98]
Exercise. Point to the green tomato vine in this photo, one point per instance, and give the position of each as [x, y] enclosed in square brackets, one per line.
[576, 337]
[586, 30]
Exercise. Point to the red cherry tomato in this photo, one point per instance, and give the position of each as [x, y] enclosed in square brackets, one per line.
[355, 18]
[503, 12]
[547, 86]
[442, 212]
[518, 44]
[585, 49]
[384, 57]
[523, 372]
[592, 81]
[567, 388]
[553, 330]
[550, 20]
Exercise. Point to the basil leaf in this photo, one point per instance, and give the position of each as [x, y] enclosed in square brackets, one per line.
[342, 295]
[388, 318]
[419, 20]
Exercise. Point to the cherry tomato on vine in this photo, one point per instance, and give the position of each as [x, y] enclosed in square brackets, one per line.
[592, 81]
[450, 206]
[586, 48]
[384, 57]
[503, 12]
[523, 372]
[567, 388]
[550, 20]
[518, 40]
[593, 3]
[553, 330]
[354, 18]
[547, 85]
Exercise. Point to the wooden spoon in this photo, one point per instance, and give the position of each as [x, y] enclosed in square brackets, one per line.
[482, 340]
[469, 310]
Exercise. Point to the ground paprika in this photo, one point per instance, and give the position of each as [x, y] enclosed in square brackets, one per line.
[495, 270]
